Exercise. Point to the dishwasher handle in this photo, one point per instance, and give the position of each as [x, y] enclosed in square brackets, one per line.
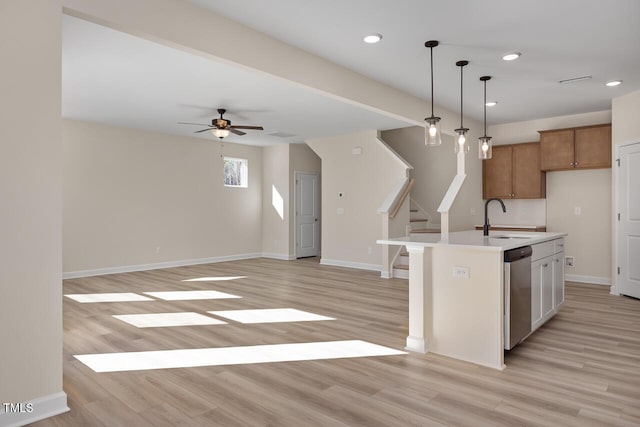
[517, 254]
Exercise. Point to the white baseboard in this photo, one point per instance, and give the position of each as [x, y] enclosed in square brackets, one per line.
[155, 266]
[42, 407]
[385, 275]
[356, 265]
[594, 280]
[284, 257]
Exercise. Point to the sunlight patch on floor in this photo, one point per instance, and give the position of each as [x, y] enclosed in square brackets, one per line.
[188, 358]
[114, 297]
[214, 279]
[158, 320]
[190, 295]
[270, 315]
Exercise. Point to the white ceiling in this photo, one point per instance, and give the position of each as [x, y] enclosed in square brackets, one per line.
[559, 39]
[115, 78]
[118, 79]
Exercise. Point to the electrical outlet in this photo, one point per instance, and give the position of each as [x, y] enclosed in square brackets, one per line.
[462, 272]
[369, 250]
[568, 261]
[577, 210]
[473, 211]
[157, 250]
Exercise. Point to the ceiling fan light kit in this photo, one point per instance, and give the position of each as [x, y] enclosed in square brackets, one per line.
[485, 149]
[433, 136]
[220, 133]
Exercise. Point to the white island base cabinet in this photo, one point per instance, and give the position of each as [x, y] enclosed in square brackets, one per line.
[547, 281]
[456, 291]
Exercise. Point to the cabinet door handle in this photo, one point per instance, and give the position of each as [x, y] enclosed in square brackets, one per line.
[577, 163]
[545, 265]
[571, 164]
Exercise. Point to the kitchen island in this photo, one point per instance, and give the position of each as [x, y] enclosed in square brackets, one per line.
[456, 291]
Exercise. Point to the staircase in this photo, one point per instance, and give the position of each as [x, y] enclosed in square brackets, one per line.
[418, 224]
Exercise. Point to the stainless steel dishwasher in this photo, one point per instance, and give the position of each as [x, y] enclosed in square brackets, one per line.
[517, 295]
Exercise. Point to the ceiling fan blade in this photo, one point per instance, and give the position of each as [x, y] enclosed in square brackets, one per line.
[237, 132]
[199, 124]
[203, 130]
[248, 127]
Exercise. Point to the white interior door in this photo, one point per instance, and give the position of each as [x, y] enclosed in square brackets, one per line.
[629, 220]
[307, 215]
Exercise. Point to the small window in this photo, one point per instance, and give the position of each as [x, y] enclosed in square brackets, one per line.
[236, 172]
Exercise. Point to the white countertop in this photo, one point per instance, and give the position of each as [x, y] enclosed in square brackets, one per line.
[473, 239]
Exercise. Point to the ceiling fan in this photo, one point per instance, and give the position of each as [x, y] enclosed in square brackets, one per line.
[221, 127]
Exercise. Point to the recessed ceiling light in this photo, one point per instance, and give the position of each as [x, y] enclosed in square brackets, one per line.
[511, 56]
[614, 83]
[372, 38]
[491, 103]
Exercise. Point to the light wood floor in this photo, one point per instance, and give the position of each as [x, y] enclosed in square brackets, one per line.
[582, 368]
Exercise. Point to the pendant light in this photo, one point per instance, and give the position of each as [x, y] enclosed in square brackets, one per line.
[461, 144]
[484, 142]
[432, 131]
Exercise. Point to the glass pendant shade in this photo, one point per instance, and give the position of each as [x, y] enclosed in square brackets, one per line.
[485, 147]
[461, 144]
[432, 131]
[432, 135]
[461, 141]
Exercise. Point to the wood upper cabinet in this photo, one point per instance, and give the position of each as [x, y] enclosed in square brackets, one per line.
[497, 174]
[593, 147]
[586, 147]
[513, 172]
[529, 182]
[557, 149]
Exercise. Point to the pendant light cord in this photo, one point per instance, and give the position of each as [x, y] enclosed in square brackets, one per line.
[461, 95]
[485, 108]
[431, 49]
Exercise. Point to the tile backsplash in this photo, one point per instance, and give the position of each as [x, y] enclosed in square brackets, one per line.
[519, 212]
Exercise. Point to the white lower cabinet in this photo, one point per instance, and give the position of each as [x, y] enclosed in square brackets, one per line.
[548, 307]
[558, 279]
[536, 294]
[547, 281]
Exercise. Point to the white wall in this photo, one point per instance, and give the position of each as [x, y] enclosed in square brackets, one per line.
[589, 239]
[301, 159]
[626, 129]
[134, 198]
[279, 164]
[31, 225]
[434, 169]
[276, 201]
[353, 188]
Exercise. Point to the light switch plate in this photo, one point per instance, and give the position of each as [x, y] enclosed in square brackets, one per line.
[462, 272]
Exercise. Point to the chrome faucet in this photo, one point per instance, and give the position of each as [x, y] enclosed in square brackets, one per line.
[485, 227]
